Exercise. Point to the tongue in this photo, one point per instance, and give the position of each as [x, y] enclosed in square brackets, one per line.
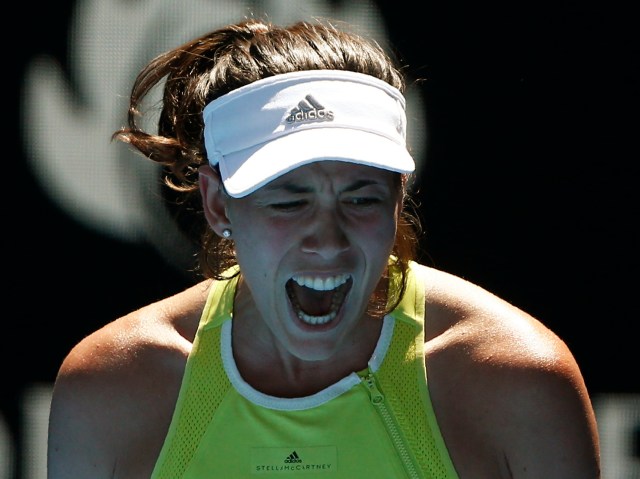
[312, 302]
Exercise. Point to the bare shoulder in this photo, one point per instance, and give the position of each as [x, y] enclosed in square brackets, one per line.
[116, 389]
[508, 393]
[461, 314]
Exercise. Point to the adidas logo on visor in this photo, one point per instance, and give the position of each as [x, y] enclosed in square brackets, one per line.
[308, 110]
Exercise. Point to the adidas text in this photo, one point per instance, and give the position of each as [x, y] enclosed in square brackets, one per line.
[311, 115]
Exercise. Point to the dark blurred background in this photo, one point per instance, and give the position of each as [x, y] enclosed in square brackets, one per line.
[529, 187]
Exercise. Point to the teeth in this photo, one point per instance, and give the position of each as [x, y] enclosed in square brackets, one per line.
[321, 284]
[316, 319]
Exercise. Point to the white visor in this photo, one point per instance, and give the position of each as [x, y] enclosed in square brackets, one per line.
[267, 128]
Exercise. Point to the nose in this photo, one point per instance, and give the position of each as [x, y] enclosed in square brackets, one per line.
[326, 235]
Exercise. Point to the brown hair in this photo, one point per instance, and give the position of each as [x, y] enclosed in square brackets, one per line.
[216, 63]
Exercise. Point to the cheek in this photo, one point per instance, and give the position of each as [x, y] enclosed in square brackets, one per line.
[260, 242]
[384, 240]
[380, 231]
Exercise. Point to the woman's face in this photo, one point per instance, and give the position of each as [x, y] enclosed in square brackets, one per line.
[312, 246]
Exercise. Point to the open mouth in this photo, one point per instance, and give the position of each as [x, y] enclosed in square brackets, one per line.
[316, 300]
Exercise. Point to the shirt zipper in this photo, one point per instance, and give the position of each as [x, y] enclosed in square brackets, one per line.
[380, 403]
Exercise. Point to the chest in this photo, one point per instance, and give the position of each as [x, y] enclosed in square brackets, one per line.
[343, 437]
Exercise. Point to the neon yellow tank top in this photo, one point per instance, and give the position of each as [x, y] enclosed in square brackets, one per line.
[376, 423]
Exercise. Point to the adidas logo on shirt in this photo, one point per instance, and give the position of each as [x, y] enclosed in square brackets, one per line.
[309, 109]
[292, 458]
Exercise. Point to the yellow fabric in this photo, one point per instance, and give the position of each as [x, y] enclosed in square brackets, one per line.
[217, 432]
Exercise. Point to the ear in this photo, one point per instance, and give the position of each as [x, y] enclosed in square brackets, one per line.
[214, 199]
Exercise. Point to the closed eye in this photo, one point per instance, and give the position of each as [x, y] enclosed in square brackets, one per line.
[288, 205]
[362, 201]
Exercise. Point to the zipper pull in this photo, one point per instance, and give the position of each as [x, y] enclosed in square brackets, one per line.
[377, 397]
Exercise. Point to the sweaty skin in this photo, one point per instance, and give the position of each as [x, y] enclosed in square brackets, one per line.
[499, 379]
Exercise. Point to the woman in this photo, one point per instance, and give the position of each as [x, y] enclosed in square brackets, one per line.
[307, 346]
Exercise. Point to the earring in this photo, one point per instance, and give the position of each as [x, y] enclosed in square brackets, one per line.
[226, 233]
